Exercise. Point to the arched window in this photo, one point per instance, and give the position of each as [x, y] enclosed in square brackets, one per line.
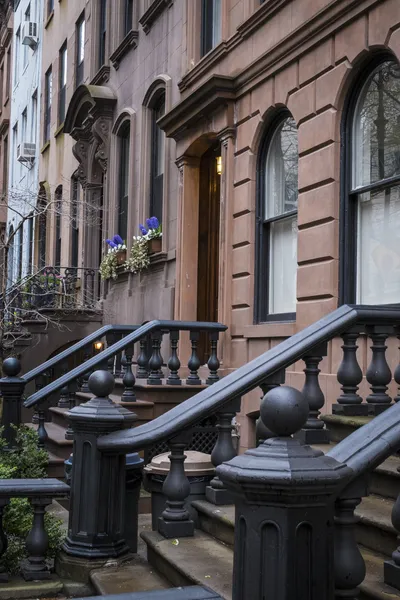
[58, 207]
[123, 183]
[157, 160]
[370, 234]
[277, 222]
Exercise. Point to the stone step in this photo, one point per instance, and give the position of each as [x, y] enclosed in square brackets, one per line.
[137, 576]
[373, 587]
[375, 530]
[341, 426]
[56, 444]
[217, 521]
[199, 560]
[55, 467]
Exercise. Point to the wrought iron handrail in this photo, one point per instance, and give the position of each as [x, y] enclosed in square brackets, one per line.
[102, 357]
[247, 377]
[77, 347]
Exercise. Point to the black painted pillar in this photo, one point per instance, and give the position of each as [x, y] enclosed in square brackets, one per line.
[284, 495]
[96, 516]
[12, 389]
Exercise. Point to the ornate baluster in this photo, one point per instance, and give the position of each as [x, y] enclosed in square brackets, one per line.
[64, 401]
[111, 338]
[378, 373]
[213, 362]
[156, 361]
[69, 434]
[349, 566]
[12, 389]
[129, 378]
[175, 521]
[350, 375]
[275, 380]
[42, 433]
[194, 361]
[87, 354]
[35, 567]
[39, 385]
[223, 452]
[396, 375]
[174, 364]
[314, 431]
[143, 360]
[3, 543]
[119, 367]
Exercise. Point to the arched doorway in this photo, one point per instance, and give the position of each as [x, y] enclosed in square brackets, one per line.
[208, 241]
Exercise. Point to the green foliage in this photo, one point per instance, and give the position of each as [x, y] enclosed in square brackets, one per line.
[26, 461]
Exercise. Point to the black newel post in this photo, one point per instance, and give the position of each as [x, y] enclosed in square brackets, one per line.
[284, 509]
[223, 451]
[273, 381]
[194, 360]
[35, 567]
[155, 363]
[175, 521]
[213, 362]
[12, 390]
[174, 364]
[314, 431]
[392, 567]
[3, 542]
[350, 375]
[96, 516]
[378, 373]
[349, 564]
[129, 379]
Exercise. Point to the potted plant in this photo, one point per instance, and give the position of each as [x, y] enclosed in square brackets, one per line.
[153, 234]
[115, 257]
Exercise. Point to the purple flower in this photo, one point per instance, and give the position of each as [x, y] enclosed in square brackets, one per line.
[143, 229]
[111, 243]
[155, 224]
[117, 239]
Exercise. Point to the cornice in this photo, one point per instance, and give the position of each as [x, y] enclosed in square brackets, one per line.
[153, 12]
[216, 91]
[302, 39]
[129, 41]
[4, 126]
[102, 76]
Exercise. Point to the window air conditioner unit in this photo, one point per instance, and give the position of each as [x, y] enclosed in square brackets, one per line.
[26, 152]
[29, 34]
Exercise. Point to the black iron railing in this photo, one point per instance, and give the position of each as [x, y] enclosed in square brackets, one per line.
[62, 289]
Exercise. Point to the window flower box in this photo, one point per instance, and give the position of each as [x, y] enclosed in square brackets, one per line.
[155, 245]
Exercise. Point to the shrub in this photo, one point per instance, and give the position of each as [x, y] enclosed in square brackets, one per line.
[26, 461]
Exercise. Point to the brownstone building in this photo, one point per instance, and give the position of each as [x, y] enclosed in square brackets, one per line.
[265, 137]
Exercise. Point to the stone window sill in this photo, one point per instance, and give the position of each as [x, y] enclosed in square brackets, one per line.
[59, 130]
[45, 147]
[129, 42]
[49, 19]
[153, 12]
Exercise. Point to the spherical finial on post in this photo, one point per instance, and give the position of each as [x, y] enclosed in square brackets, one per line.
[11, 367]
[101, 383]
[284, 410]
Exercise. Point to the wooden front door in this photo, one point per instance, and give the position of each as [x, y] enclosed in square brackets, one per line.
[208, 256]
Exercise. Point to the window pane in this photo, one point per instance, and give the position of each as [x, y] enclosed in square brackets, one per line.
[282, 171]
[376, 129]
[282, 266]
[124, 184]
[378, 269]
[216, 25]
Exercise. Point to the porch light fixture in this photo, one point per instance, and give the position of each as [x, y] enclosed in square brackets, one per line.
[98, 346]
[219, 165]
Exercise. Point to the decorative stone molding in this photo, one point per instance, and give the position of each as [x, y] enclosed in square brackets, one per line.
[129, 42]
[4, 126]
[153, 12]
[102, 76]
[217, 91]
[325, 22]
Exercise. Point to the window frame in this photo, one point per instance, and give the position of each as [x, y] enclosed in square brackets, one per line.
[50, 8]
[207, 26]
[154, 186]
[262, 242]
[128, 17]
[348, 237]
[102, 34]
[62, 87]
[48, 93]
[80, 29]
[30, 243]
[124, 136]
